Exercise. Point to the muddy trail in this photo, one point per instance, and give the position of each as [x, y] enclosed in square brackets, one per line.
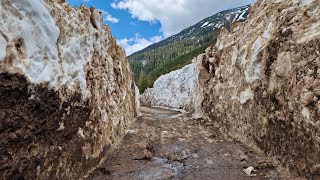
[165, 144]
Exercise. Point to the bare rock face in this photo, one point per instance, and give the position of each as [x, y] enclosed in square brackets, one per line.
[265, 82]
[179, 89]
[67, 93]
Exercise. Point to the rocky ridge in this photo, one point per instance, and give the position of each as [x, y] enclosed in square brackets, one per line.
[67, 93]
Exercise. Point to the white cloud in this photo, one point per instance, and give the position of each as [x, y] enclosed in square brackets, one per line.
[137, 43]
[175, 15]
[107, 16]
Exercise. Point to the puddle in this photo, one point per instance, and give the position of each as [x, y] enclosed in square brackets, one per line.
[160, 113]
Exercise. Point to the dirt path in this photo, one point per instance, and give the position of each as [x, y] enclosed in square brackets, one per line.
[165, 144]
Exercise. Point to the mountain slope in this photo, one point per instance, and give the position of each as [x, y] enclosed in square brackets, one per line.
[178, 50]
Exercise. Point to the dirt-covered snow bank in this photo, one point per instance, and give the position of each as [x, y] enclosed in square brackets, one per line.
[265, 82]
[67, 93]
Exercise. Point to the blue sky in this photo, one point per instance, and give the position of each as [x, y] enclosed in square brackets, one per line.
[126, 26]
[137, 24]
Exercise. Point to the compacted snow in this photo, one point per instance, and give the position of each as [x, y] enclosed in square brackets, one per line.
[178, 89]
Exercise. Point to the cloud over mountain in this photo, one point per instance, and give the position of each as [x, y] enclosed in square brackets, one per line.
[175, 15]
[137, 43]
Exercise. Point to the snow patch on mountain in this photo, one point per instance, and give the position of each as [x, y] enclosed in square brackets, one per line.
[205, 24]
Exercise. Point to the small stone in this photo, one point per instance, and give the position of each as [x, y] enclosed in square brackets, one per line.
[184, 154]
[209, 161]
[249, 171]
[130, 131]
[12, 135]
[243, 158]
[195, 155]
[227, 154]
